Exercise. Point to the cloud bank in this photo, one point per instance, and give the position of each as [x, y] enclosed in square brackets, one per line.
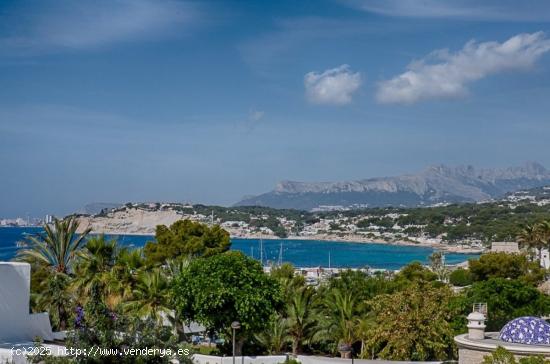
[446, 75]
[65, 24]
[332, 87]
[503, 10]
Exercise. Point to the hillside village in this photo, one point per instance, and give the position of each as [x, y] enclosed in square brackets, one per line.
[462, 226]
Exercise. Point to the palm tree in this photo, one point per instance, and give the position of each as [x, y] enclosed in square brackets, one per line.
[56, 251]
[94, 269]
[342, 323]
[302, 318]
[529, 237]
[56, 298]
[57, 247]
[544, 237]
[151, 297]
[176, 266]
[128, 265]
[275, 337]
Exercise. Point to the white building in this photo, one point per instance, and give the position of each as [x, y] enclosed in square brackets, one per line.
[545, 258]
[510, 247]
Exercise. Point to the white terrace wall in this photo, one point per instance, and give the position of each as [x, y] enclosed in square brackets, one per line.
[207, 359]
[17, 325]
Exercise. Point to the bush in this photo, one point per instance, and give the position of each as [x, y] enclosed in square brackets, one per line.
[460, 277]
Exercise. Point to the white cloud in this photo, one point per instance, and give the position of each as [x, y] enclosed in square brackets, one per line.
[506, 10]
[334, 86]
[255, 115]
[445, 75]
[69, 24]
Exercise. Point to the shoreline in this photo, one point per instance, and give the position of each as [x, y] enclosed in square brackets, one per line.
[458, 249]
[355, 239]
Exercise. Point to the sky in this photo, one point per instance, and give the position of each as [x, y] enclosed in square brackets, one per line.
[206, 102]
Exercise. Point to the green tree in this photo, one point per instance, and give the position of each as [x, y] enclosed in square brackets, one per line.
[223, 288]
[460, 277]
[413, 272]
[275, 336]
[413, 324]
[359, 284]
[303, 318]
[94, 267]
[529, 238]
[507, 299]
[503, 265]
[342, 320]
[289, 281]
[129, 263]
[151, 297]
[186, 238]
[57, 247]
[56, 298]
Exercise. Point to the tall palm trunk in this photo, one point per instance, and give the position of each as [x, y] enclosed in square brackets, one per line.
[62, 313]
[297, 345]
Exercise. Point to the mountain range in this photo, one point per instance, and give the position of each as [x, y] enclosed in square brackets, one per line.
[434, 185]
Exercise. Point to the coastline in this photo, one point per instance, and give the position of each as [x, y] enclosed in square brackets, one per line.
[350, 238]
[358, 239]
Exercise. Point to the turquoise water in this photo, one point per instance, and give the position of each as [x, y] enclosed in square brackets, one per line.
[302, 253]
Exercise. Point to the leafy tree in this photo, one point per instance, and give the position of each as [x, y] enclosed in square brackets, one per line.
[359, 284]
[223, 288]
[413, 272]
[57, 247]
[186, 238]
[503, 265]
[413, 324]
[460, 277]
[507, 299]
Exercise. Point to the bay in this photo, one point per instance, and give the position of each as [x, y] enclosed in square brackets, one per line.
[301, 253]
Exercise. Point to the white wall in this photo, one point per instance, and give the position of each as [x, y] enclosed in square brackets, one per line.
[276, 359]
[16, 323]
[545, 259]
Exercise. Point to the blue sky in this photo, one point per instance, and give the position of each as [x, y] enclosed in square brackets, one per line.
[166, 100]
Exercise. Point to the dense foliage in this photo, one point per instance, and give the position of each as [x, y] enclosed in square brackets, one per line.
[186, 238]
[502, 265]
[118, 298]
[507, 299]
[460, 277]
[413, 324]
[220, 289]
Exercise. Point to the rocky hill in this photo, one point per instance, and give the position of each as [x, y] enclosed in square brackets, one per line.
[435, 185]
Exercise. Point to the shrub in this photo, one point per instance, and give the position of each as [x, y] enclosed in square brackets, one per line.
[460, 277]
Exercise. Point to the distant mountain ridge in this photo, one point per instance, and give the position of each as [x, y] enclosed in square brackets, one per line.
[434, 185]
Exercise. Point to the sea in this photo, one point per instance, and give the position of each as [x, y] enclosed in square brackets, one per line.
[301, 253]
